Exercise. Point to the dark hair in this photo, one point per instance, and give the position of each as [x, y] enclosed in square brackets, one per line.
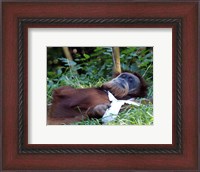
[143, 86]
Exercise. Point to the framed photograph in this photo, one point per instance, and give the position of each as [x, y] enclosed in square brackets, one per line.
[100, 86]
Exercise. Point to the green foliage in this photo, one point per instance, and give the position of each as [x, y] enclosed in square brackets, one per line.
[138, 60]
[129, 115]
[133, 115]
[99, 62]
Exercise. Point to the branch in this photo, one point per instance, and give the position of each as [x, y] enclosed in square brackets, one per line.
[116, 60]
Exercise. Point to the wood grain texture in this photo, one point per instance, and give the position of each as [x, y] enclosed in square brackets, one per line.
[12, 160]
[1, 91]
[199, 86]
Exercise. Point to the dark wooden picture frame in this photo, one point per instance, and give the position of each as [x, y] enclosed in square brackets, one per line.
[17, 154]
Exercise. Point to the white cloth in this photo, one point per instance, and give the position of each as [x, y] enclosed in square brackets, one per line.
[112, 112]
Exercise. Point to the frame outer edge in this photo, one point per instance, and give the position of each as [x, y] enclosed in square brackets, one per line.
[1, 81]
[1, 103]
[199, 85]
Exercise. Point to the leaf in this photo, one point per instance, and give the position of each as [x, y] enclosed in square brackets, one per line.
[71, 63]
[59, 71]
[51, 74]
[86, 56]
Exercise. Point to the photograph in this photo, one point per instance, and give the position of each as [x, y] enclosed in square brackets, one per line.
[100, 86]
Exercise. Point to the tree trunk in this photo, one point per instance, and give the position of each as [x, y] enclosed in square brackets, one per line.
[67, 53]
[116, 61]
